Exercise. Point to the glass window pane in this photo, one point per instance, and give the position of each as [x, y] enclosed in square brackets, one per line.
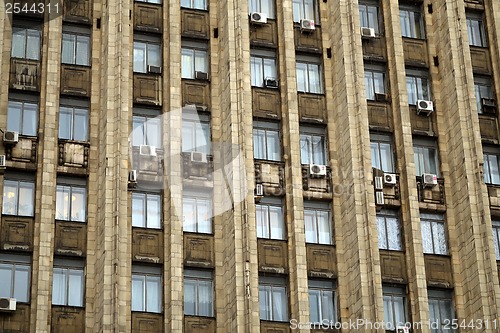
[273, 145]
[302, 84]
[388, 312]
[328, 312]
[14, 115]
[6, 272]
[256, 72]
[153, 293]
[280, 312]
[393, 233]
[386, 157]
[83, 50]
[310, 225]
[22, 283]
[10, 196]
[439, 234]
[188, 214]
[65, 123]
[411, 87]
[138, 210]
[269, 68]
[62, 202]
[26, 199]
[59, 286]
[319, 149]
[18, 42]
[187, 64]
[189, 297]
[154, 55]
[199, 4]
[427, 237]
[139, 57]
[154, 211]
[205, 298]
[277, 223]
[262, 221]
[201, 60]
[264, 303]
[188, 142]
[399, 311]
[305, 149]
[81, 130]
[373, 18]
[186, 3]
[30, 119]
[78, 204]
[259, 144]
[314, 307]
[314, 79]
[382, 236]
[204, 216]
[138, 130]
[496, 238]
[138, 293]
[370, 93]
[494, 171]
[325, 236]
[76, 287]
[374, 149]
[33, 44]
[68, 49]
[152, 131]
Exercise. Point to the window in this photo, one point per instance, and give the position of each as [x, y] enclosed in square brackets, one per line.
[496, 238]
[482, 89]
[147, 52]
[73, 122]
[322, 301]
[389, 230]
[26, 43]
[196, 132]
[266, 141]
[22, 116]
[394, 307]
[412, 22]
[15, 276]
[18, 196]
[68, 284]
[426, 156]
[476, 30]
[146, 128]
[194, 4]
[441, 311]
[317, 222]
[146, 289]
[273, 299]
[491, 165]
[312, 145]
[198, 293]
[270, 221]
[417, 85]
[382, 151]
[262, 6]
[197, 212]
[433, 233]
[374, 82]
[194, 59]
[304, 10]
[262, 66]
[71, 200]
[146, 210]
[309, 75]
[75, 46]
[369, 15]
[150, 1]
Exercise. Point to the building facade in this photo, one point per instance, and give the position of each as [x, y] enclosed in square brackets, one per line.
[250, 166]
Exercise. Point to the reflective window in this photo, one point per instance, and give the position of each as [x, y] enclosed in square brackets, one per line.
[146, 53]
[266, 141]
[194, 4]
[197, 212]
[146, 210]
[270, 221]
[441, 311]
[71, 203]
[389, 230]
[273, 299]
[417, 86]
[374, 82]
[15, 274]
[262, 6]
[426, 157]
[382, 152]
[476, 31]
[412, 22]
[312, 145]
[491, 168]
[196, 134]
[75, 49]
[496, 238]
[394, 307]
[309, 77]
[369, 15]
[26, 43]
[146, 289]
[198, 293]
[317, 223]
[482, 90]
[262, 68]
[304, 10]
[433, 233]
[68, 283]
[18, 197]
[194, 60]
[73, 123]
[322, 301]
[146, 130]
[22, 117]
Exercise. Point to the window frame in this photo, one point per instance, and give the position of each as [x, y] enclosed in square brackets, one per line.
[153, 2]
[197, 277]
[262, 55]
[269, 9]
[195, 49]
[375, 70]
[386, 214]
[389, 294]
[304, 13]
[148, 41]
[15, 260]
[18, 179]
[268, 127]
[193, 6]
[145, 210]
[434, 220]
[149, 118]
[267, 223]
[77, 32]
[442, 298]
[418, 77]
[145, 274]
[318, 207]
[313, 132]
[23, 99]
[377, 26]
[25, 26]
[420, 143]
[376, 140]
[307, 61]
[273, 285]
[194, 119]
[67, 267]
[74, 106]
[72, 184]
[322, 286]
[412, 22]
[198, 195]
[483, 84]
[491, 178]
[495, 224]
[482, 33]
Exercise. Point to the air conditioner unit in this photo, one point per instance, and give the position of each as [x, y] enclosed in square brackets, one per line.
[379, 198]
[132, 176]
[154, 69]
[270, 82]
[378, 183]
[146, 150]
[317, 170]
[197, 157]
[7, 304]
[258, 18]
[402, 329]
[390, 179]
[201, 76]
[367, 32]
[10, 137]
[307, 25]
[488, 105]
[424, 107]
[259, 190]
[3, 162]
[429, 180]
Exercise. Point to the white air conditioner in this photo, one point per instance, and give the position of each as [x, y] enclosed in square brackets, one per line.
[132, 176]
[429, 180]
[379, 183]
[7, 304]
[10, 137]
[146, 150]
[402, 329]
[307, 25]
[379, 198]
[259, 190]
[258, 18]
[390, 179]
[270, 82]
[367, 32]
[154, 69]
[317, 170]
[3, 162]
[198, 75]
[424, 107]
[197, 157]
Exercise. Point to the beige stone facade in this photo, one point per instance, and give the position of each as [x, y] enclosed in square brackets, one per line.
[364, 275]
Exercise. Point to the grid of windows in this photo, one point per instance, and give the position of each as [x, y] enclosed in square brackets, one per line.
[68, 283]
[270, 221]
[433, 233]
[15, 271]
[18, 197]
[322, 301]
[22, 117]
[198, 293]
[273, 299]
[389, 230]
[146, 289]
[317, 223]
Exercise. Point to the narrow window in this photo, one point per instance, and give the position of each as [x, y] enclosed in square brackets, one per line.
[15, 274]
[418, 86]
[389, 230]
[196, 134]
[146, 128]
[146, 289]
[433, 233]
[266, 141]
[71, 199]
[18, 196]
[382, 151]
[313, 145]
[412, 22]
[369, 15]
[22, 115]
[262, 67]
[198, 293]
[197, 211]
[146, 210]
[147, 53]
[476, 30]
[26, 43]
[194, 59]
[270, 221]
[317, 220]
[273, 299]
[309, 75]
[426, 156]
[68, 282]
[322, 305]
[75, 46]
[394, 307]
[441, 310]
